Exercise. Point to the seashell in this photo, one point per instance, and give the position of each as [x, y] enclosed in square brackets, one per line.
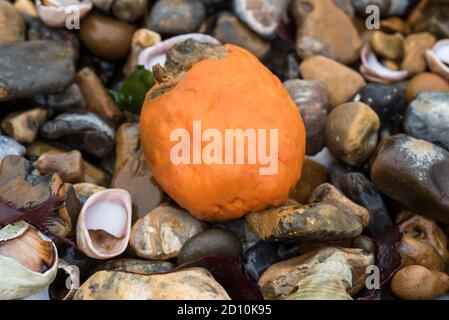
[330, 280]
[190, 284]
[28, 261]
[373, 70]
[157, 54]
[104, 224]
[281, 279]
[438, 58]
[55, 13]
[66, 283]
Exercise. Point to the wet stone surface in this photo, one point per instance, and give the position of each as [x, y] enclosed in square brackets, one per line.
[52, 69]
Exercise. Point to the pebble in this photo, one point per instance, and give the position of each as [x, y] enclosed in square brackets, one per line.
[129, 10]
[98, 100]
[162, 232]
[428, 118]
[389, 103]
[69, 165]
[394, 25]
[132, 173]
[26, 7]
[229, 29]
[341, 82]
[107, 38]
[142, 38]
[263, 17]
[176, 17]
[17, 179]
[311, 99]
[413, 172]
[240, 228]
[425, 81]
[139, 266]
[259, 258]
[419, 283]
[365, 243]
[279, 280]
[65, 101]
[415, 46]
[104, 5]
[428, 230]
[389, 46]
[317, 34]
[327, 193]
[84, 131]
[415, 251]
[186, 284]
[362, 191]
[84, 190]
[9, 146]
[313, 175]
[351, 132]
[35, 67]
[23, 126]
[296, 222]
[431, 16]
[212, 242]
[12, 25]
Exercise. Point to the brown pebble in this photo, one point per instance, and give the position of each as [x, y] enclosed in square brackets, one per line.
[415, 46]
[425, 81]
[97, 99]
[351, 132]
[106, 37]
[313, 175]
[419, 283]
[23, 126]
[69, 165]
[394, 24]
[341, 82]
[415, 251]
[388, 46]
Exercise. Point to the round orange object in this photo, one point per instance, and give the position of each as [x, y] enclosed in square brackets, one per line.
[236, 92]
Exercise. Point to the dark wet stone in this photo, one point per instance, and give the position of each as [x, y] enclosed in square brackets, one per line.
[129, 10]
[414, 173]
[35, 67]
[358, 188]
[132, 173]
[230, 29]
[428, 118]
[259, 257]
[70, 99]
[12, 25]
[176, 16]
[9, 146]
[388, 101]
[240, 228]
[212, 242]
[75, 257]
[311, 99]
[83, 131]
[136, 266]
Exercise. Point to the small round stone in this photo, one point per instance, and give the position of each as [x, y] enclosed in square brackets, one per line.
[129, 10]
[351, 132]
[388, 46]
[426, 81]
[213, 242]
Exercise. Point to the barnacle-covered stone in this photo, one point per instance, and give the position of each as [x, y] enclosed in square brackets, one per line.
[187, 284]
[295, 222]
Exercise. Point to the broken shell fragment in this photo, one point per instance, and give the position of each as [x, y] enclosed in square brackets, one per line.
[373, 70]
[28, 261]
[66, 283]
[438, 58]
[104, 224]
[55, 13]
[157, 54]
[186, 284]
